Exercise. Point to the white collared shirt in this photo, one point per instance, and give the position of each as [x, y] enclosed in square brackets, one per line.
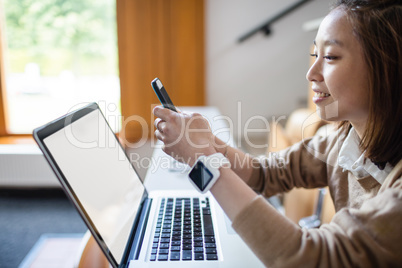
[353, 160]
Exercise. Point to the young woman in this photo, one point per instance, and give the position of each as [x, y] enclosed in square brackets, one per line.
[357, 79]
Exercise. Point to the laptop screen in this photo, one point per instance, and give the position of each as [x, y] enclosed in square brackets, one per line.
[100, 175]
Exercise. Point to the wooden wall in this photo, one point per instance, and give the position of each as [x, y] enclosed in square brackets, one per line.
[3, 122]
[158, 38]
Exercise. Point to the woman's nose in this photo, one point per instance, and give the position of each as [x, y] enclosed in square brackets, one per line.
[314, 73]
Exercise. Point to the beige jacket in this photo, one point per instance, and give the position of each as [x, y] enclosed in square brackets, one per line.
[366, 230]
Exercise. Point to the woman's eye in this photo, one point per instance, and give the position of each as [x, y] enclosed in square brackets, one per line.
[330, 57]
[324, 57]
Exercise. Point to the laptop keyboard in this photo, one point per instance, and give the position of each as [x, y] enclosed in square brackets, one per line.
[184, 231]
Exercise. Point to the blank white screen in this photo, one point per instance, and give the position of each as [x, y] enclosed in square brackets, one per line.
[100, 175]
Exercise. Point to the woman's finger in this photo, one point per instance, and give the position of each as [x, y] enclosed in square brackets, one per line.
[162, 113]
[159, 135]
[157, 122]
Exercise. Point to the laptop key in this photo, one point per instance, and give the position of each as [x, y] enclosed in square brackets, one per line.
[198, 249]
[162, 257]
[163, 251]
[187, 255]
[206, 211]
[199, 256]
[175, 248]
[175, 256]
[187, 241]
[176, 238]
[187, 246]
[199, 239]
[165, 240]
[176, 233]
[176, 243]
[208, 227]
[198, 244]
[153, 257]
[210, 250]
[212, 257]
[197, 229]
[197, 234]
[164, 245]
[209, 239]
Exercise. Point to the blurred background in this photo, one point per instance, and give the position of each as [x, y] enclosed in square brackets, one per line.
[57, 55]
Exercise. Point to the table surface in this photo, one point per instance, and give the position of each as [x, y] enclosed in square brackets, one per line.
[165, 173]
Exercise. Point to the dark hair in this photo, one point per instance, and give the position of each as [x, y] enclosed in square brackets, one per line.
[377, 25]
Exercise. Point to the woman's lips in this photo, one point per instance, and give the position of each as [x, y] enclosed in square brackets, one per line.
[320, 96]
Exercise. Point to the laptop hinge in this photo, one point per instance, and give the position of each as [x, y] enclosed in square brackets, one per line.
[137, 237]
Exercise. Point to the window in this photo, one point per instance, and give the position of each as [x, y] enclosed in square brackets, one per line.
[59, 54]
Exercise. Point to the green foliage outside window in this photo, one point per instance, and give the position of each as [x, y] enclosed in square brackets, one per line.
[76, 35]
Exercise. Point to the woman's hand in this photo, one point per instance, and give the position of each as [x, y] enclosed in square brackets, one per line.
[185, 136]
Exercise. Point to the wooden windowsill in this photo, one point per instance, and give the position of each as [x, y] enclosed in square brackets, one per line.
[18, 139]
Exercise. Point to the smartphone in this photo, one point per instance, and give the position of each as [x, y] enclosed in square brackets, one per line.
[162, 94]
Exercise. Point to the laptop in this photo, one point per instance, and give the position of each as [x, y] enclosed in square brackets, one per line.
[135, 227]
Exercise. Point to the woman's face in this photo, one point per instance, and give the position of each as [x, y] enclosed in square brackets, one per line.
[339, 73]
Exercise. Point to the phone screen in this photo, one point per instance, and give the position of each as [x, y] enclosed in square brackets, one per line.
[162, 94]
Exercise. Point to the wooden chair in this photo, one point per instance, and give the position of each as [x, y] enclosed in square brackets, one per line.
[300, 203]
[90, 255]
